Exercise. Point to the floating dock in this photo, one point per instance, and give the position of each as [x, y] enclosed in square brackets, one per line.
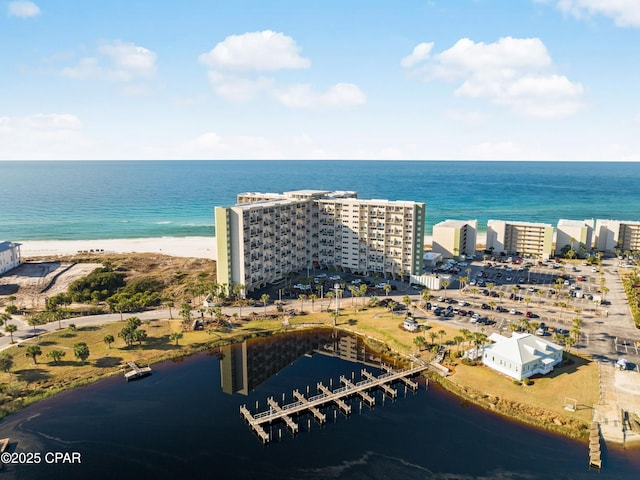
[136, 372]
[595, 458]
[326, 396]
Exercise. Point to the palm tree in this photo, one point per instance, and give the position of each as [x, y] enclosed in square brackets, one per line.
[313, 297]
[462, 282]
[426, 295]
[392, 306]
[33, 351]
[10, 328]
[302, 297]
[419, 342]
[406, 300]
[4, 318]
[353, 289]
[56, 355]
[491, 286]
[169, 304]
[108, 339]
[433, 335]
[445, 284]
[387, 289]
[81, 351]
[362, 291]
[185, 313]
[441, 334]
[264, 298]
[175, 336]
[330, 296]
[458, 339]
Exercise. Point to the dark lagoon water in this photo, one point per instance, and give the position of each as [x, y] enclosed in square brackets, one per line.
[101, 200]
[184, 422]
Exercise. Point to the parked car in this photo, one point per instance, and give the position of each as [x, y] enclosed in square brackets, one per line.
[462, 303]
[513, 311]
[484, 306]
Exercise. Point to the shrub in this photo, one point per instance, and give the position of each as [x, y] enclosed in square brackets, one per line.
[527, 381]
[517, 382]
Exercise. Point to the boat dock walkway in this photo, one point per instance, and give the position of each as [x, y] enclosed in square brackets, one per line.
[136, 372]
[326, 396]
[595, 458]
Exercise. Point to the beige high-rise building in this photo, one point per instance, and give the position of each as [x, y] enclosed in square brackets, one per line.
[520, 238]
[268, 235]
[612, 235]
[574, 233]
[453, 238]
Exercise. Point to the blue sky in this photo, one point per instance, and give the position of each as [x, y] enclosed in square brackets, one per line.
[343, 79]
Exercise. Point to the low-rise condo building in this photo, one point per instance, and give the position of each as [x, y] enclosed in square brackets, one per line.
[9, 256]
[266, 236]
[575, 234]
[453, 238]
[520, 238]
[612, 235]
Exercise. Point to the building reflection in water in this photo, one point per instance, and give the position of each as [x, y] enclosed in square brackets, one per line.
[244, 366]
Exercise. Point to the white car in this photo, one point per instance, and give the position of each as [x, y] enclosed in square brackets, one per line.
[441, 299]
[462, 303]
[513, 311]
[322, 275]
[334, 277]
[509, 279]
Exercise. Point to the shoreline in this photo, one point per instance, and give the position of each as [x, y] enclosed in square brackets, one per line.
[192, 247]
[189, 247]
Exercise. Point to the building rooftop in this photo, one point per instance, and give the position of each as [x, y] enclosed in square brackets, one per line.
[522, 347]
[454, 223]
[563, 222]
[6, 245]
[524, 224]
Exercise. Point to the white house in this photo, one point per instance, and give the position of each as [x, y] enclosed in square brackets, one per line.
[522, 355]
[410, 324]
[9, 256]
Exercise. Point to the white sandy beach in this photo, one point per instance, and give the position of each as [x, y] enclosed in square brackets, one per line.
[196, 247]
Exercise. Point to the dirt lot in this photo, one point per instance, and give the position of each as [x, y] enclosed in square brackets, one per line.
[32, 282]
[40, 278]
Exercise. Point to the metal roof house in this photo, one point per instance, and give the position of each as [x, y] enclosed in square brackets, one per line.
[522, 355]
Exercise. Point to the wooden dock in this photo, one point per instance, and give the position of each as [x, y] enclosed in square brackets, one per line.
[326, 396]
[136, 372]
[595, 458]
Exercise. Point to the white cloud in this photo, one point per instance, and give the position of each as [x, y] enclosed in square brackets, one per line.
[43, 136]
[238, 65]
[505, 150]
[115, 61]
[420, 53]
[211, 145]
[625, 13]
[236, 88]
[514, 72]
[257, 51]
[303, 96]
[23, 9]
[471, 117]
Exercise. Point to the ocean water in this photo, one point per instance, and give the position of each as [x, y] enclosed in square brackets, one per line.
[99, 199]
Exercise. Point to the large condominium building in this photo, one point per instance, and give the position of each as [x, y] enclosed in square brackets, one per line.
[612, 235]
[453, 238]
[520, 238]
[265, 236]
[575, 234]
[9, 256]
